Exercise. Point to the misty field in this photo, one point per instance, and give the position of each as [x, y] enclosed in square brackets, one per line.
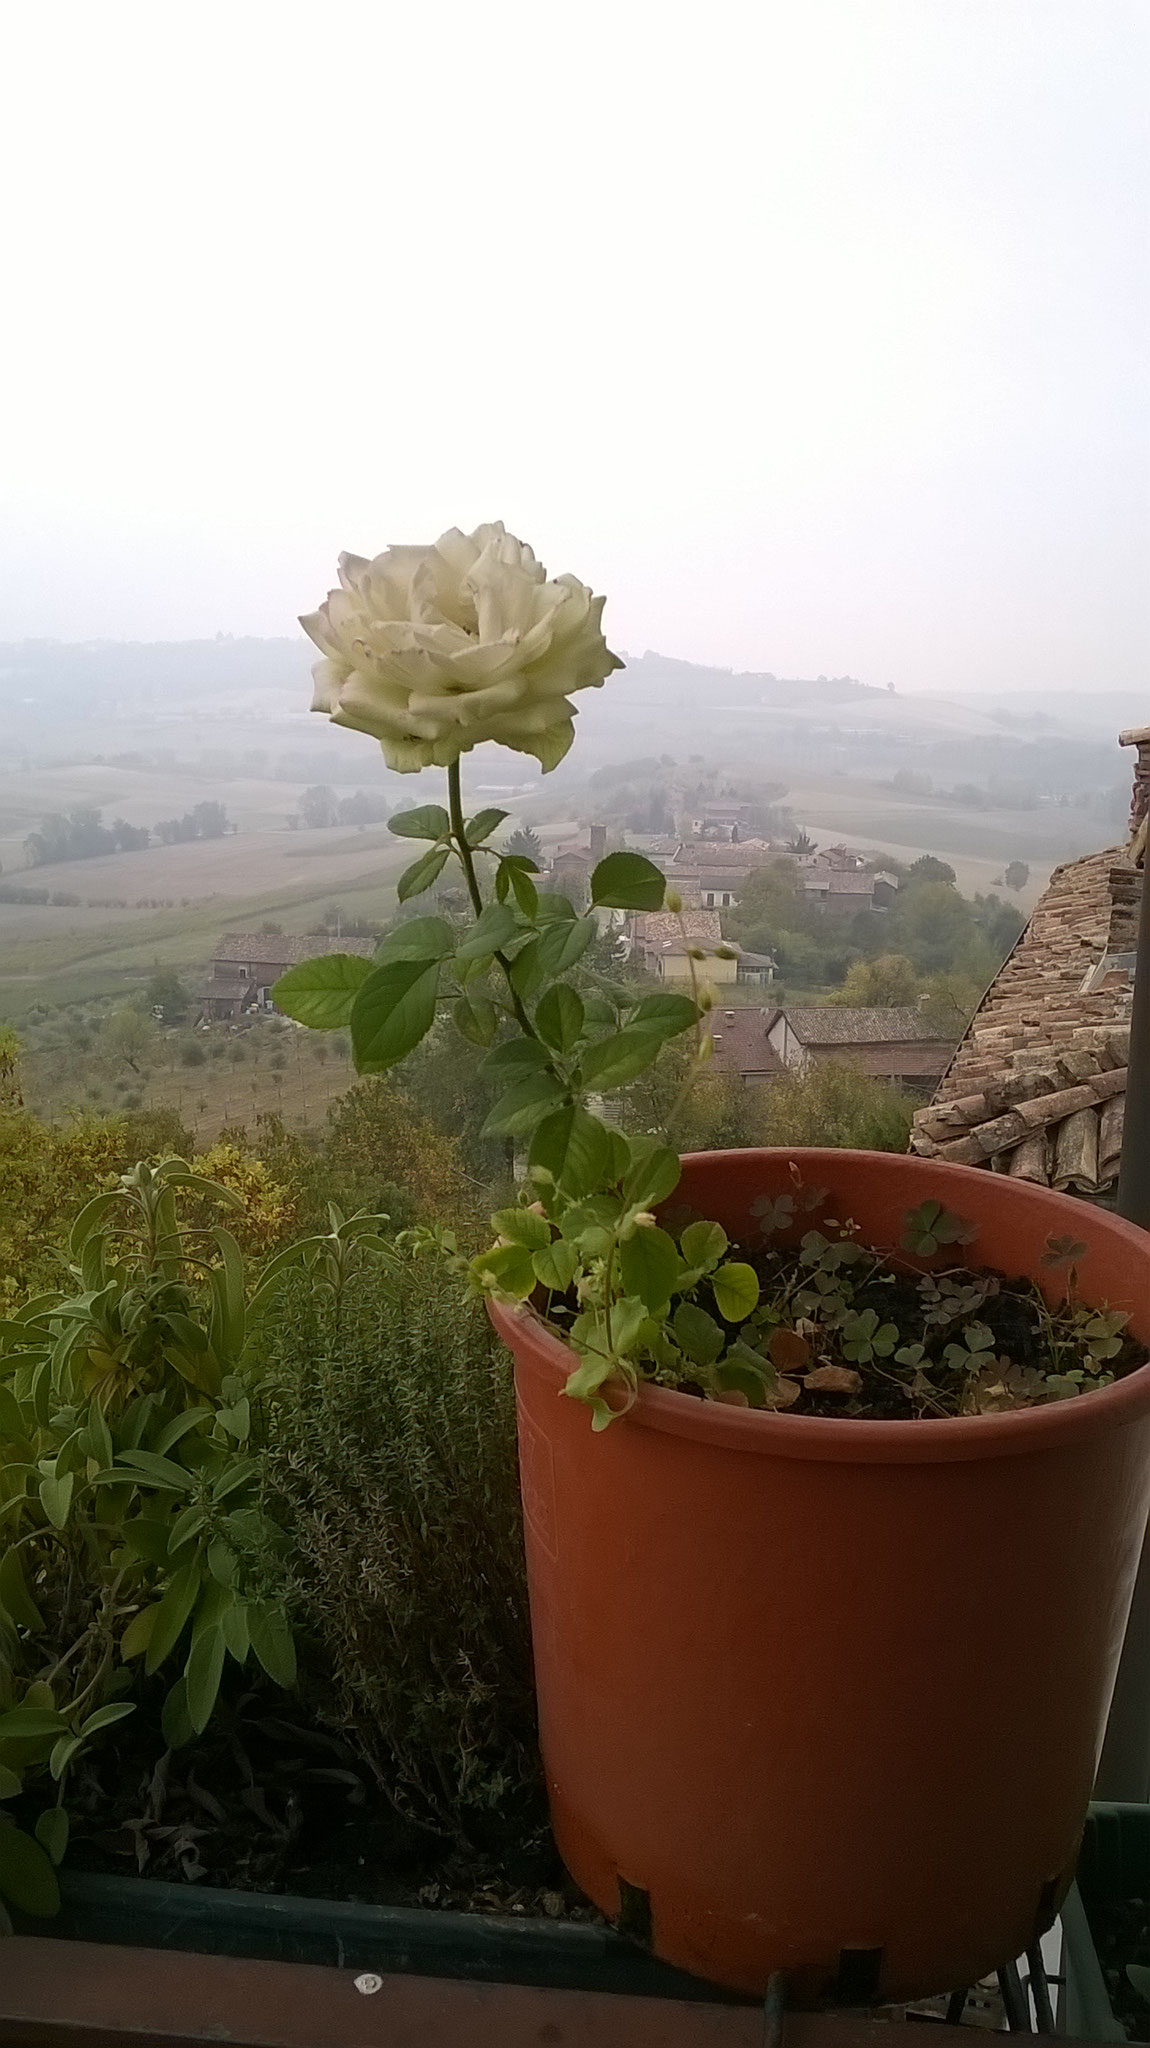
[241, 864]
[142, 796]
[229, 1074]
[978, 844]
[170, 903]
[167, 905]
[65, 955]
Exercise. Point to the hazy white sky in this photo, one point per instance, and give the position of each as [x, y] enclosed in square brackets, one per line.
[815, 334]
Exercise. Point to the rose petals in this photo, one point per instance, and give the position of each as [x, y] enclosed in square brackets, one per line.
[433, 650]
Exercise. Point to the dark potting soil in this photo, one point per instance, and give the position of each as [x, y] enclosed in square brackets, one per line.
[1021, 1339]
[268, 1801]
[1013, 1310]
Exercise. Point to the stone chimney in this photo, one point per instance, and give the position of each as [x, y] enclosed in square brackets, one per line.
[1138, 736]
[599, 832]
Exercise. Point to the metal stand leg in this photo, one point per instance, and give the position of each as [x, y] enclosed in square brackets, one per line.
[774, 2009]
[1040, 1990]
[956, 2006]
[1014, 2000]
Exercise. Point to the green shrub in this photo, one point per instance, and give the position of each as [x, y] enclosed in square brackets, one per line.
[47, 1172]
[832, 1103]
[134, 1522]
[192, 1055]
[377, 1141]
[393, 1472]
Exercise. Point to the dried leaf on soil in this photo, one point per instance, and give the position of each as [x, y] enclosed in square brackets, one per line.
[788, 1350]
[833, 1379]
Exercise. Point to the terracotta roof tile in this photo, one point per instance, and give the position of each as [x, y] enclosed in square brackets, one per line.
[838, 882]
[667, 928]
[841, 1024]
[741, 1044]
[742, 855]
[1036, 1089]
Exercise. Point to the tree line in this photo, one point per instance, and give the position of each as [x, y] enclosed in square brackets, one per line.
[319, 807]
[929, 931]
[82, 834]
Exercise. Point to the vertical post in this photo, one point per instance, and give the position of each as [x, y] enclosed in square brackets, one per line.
[1124, 1772]
[1134, 1171]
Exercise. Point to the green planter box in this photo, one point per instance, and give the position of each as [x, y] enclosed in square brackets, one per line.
[1114, 1864]
[483, 1948]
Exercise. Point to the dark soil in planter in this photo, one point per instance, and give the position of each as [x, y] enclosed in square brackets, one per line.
[843, 1330]
[1020, 1357]
[269, 1801]
[1030, 1353]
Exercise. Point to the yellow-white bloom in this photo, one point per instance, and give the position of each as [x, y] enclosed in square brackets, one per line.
[434, 649]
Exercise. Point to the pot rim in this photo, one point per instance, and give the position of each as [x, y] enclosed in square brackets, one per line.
[862, 1439]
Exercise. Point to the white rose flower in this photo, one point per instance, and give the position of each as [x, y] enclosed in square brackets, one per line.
[433, 649]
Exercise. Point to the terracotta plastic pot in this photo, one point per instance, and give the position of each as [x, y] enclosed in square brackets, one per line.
[830, 1694]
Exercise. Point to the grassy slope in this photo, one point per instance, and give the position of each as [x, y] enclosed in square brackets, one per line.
[118, 959]
[60, 1082]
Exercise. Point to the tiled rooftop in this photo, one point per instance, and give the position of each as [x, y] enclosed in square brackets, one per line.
[837, 881]
[666, 930]
[266, 949]
[841, 1024]
[741, 1046]
[742, 854]
[1037, 1088]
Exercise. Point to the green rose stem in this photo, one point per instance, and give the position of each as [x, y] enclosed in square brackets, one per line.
[608, 1282]
[703, 1001]
[459, 833]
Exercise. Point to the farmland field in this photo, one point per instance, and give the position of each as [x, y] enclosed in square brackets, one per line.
[178, 900]
[978, 844]
[170, 903]
[240, 1072]
[166, 708]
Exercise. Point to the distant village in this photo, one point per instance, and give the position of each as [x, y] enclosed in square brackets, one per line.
[707, 865]
[708, 868]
